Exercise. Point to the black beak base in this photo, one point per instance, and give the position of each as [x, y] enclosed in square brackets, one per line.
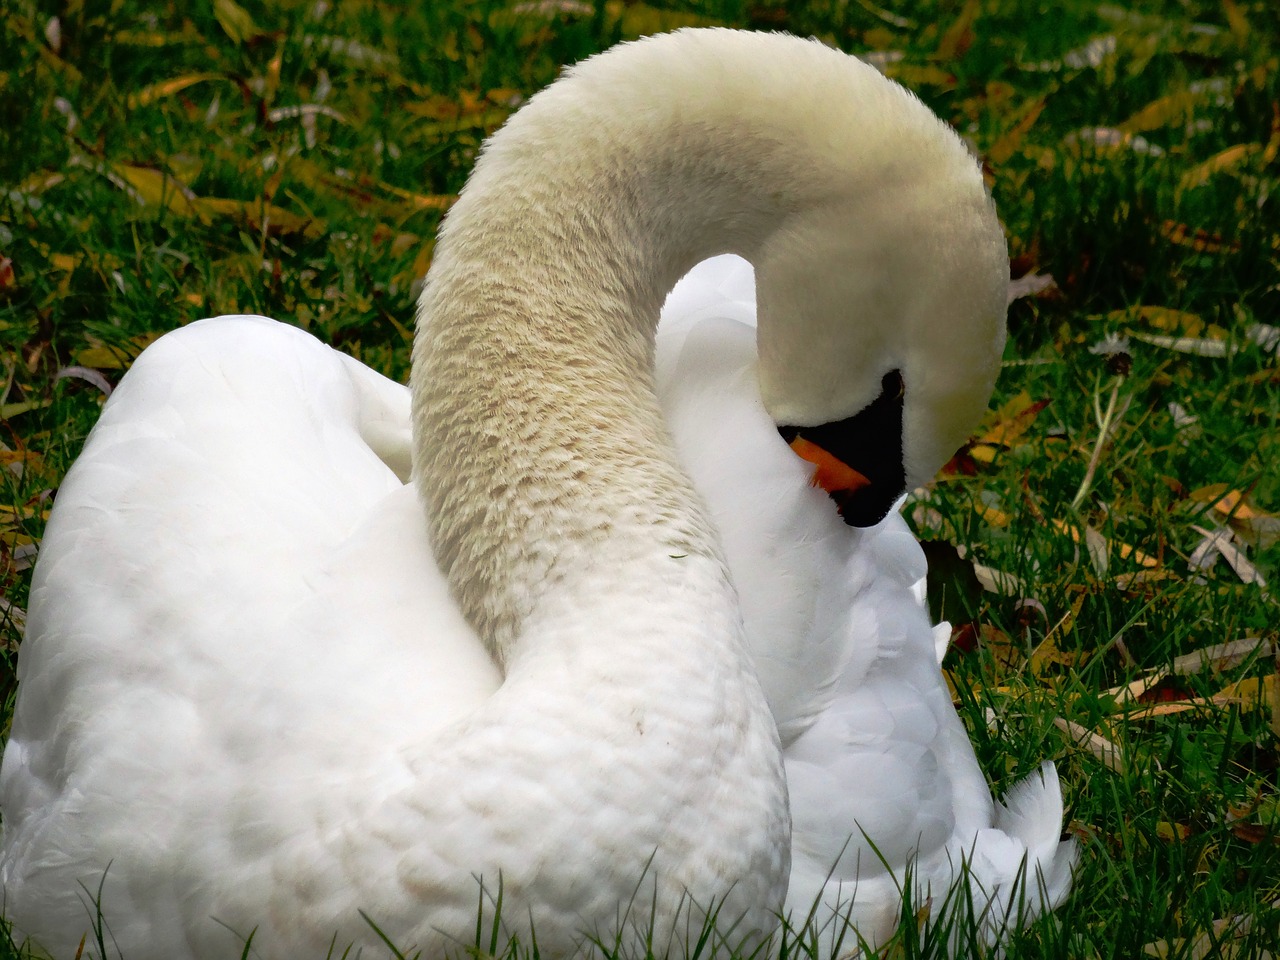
[869, 442]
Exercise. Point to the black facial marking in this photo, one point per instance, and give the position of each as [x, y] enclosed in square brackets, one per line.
[870, 442]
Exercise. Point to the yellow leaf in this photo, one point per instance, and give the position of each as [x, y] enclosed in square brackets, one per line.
[156, 188]
[1224, 160]
[1231, 504]
[1172, 108]
[1251, 693]
[1013, 419]
[1126, 551]
[1169, 832]
[1199, 240]
[920, 75]
[11, 410]
[1236, 20]
[640, 19]
[959, 36]
[997, 518]
[1166, 319]
[261, 216]
[167, 88]
[103, 357]
[235, 21]
[1209, 494]
[40, 181]
[1047, 650]
[1133, 553]
[1004, 147]
[149, 38]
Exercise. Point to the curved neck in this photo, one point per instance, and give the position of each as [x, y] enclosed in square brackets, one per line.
[538, 440]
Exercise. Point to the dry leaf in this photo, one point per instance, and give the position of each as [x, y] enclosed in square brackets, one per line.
[1164, 319]
[1193, 345]
[1171, 832]
[1094, 541]
[102, 357]
[1220, 542]
[1030, 285]
[1224, 160]
[1107, 752]
[167, 88]
[959, 36]
[1202, 241]
[997, 581]
[260, 215]
[1223, 656]
[88, 375]
[235, 21]
[1004, 147]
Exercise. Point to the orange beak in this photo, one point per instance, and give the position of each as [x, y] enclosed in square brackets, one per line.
[831, 474]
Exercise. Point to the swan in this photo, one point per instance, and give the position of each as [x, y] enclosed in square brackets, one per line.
[885, 790]
[272, 691]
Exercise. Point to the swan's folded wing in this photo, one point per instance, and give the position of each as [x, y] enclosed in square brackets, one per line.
[231, 494]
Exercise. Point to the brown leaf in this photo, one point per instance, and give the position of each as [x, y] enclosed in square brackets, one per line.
[1007, 144]
[1202, 241]
[959, 36]
[1013, 419]
[260, 215]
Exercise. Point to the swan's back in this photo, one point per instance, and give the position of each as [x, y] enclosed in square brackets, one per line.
[228, 611]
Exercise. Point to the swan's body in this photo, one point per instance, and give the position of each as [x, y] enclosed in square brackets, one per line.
[880, 770]
[247, 686]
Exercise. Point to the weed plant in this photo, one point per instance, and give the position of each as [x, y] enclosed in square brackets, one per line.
[1103, 547]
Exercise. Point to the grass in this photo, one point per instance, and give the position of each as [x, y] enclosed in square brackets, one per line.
[162, 164]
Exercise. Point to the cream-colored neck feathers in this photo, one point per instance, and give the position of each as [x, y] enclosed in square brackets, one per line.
[538, 441]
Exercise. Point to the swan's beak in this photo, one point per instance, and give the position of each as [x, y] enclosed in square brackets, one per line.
[858, 460]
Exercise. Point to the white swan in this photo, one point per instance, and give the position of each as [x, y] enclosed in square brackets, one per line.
[885, 790]
[248, 700]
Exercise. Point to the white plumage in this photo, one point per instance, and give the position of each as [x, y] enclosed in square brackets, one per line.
[250, 698]
[880, 770]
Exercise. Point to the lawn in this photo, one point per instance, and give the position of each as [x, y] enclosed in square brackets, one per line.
[1103, 546]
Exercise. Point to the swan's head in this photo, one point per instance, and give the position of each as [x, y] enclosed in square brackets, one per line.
[893, 307]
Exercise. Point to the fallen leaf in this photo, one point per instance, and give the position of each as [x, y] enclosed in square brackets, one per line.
[1217, 543]
[1007, 143]
[1013, 419]
[102, 357]
[1109, 753]
[1224, 160]
[156, 188]
[1223, 656]
[1195, 346]
[1095, 541]
[261, 216]
[1202, 241]
[1172, 832]
[959, 36]
[86, 374]
[235, 20]
[167, 88]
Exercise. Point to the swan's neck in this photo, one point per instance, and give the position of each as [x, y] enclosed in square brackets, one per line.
[540, 449]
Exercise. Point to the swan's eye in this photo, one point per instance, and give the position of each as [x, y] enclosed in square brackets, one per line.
[859, 459]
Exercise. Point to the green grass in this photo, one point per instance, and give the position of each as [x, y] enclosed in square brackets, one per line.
[161, 163]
